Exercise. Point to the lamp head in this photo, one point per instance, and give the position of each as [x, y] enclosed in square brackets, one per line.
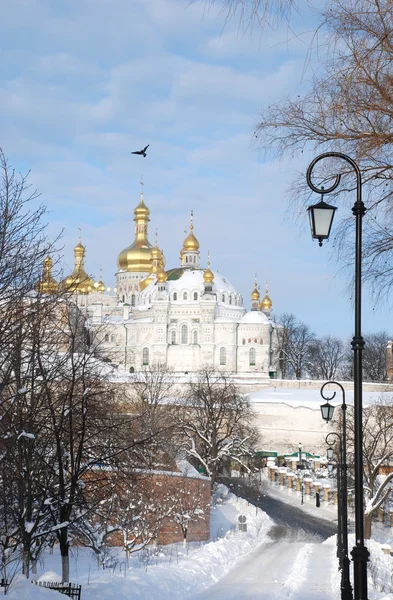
[321, 219]
[329, 453]
[327, 411]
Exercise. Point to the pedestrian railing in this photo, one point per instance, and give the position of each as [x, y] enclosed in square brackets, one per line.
[73, 590]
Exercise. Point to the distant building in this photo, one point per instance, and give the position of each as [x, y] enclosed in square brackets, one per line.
[186, 317]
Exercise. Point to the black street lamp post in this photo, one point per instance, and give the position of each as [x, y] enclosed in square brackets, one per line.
[321, 217]
[327, 411]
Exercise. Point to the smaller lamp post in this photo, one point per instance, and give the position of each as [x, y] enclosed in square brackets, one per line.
[300, 453]
[327, 411]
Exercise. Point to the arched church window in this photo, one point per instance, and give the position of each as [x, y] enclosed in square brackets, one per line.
[252, 357]
[123, 298]
[244, 342]
[223, 298]
[230, 299]
[113, 338]
[184, 334]
[195, 337]
[195, 295]
[173, 337]
[185, 297]
[106, 337]
[132, 370]
[223, 356]
[145, 356]
[133, 300]
[175, 296]
[261, 341]
[186, 259]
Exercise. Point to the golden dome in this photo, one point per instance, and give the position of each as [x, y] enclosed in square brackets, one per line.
[79, 248]
[161, 276]
[141, 211]
[156, 253]
[47, 284]
[138, 257]
[266, 302]
[255, 293]
[208, 276]
[190, 244]
[100, 286]
[79, 282]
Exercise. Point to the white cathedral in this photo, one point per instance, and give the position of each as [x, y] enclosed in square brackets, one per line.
[186, 317]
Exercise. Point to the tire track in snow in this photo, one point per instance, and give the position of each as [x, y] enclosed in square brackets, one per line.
[297, 575]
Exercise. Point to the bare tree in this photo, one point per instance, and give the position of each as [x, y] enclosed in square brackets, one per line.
[188, 505]
[23, 246]
[374, 358]
[293, 342]
[377, 454]
[217, 421]
[258, 14]
[326, 358]
[348, 108]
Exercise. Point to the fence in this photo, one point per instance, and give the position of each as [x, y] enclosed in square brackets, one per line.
[73, 590]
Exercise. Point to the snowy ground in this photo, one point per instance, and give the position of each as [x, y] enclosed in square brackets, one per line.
[234, 565]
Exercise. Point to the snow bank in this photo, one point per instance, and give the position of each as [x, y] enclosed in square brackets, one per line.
[23, 589]
[173, 572]
[203, 565]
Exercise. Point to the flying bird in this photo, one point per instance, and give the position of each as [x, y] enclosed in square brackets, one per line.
[142, 152]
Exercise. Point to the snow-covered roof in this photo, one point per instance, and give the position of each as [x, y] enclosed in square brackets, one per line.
[191, 280]
[254, 316]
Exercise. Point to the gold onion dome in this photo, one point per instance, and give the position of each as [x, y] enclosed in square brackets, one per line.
[157, 258]
[47, 284]
[255, 293]
[101, 285]
[266, 302]
[208, 276]
[156, 253]
[79, 282]
[190, 244]
[137, 258]
[161, 276]
[141, 211]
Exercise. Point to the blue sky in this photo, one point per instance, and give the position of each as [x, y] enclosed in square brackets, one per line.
[83, 83]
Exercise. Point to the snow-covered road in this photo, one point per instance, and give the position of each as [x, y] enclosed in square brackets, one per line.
[281, 570]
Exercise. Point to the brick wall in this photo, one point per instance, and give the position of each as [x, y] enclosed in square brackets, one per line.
[172, 491]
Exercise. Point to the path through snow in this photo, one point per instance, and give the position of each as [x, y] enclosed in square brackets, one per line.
[281, 570]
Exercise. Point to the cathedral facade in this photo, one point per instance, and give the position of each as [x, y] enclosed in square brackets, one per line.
[185, 317]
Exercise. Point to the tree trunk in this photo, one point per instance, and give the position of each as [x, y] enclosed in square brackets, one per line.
[26, 564]
[184, 539]
[65, 567]
[65, 558]
[367, 525]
